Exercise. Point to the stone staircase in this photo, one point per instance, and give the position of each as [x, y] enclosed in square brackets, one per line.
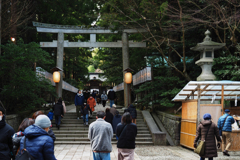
[72, 131]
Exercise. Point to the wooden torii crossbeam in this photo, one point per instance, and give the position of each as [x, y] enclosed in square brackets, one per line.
[68, 29]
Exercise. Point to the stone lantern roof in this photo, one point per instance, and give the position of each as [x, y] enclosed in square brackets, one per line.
[208, 44]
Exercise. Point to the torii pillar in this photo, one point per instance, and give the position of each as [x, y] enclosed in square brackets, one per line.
[60, 50]
[125, 58]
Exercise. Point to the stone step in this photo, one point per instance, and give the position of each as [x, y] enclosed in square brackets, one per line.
[80, 124]
[86, 135]
[86, 132]
[86, 128]
[113, 142]
[81, 121]
[86, 139]
[93, 117]
[75, 120]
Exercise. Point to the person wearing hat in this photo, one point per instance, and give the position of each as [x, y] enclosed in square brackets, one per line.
[226, 131]
[113, 109]
[210, 128]
[38, 143]
[6, 133]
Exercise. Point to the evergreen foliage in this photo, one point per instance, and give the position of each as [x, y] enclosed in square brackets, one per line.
[22, 87]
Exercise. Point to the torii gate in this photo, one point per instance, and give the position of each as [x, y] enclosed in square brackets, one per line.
[60, 44]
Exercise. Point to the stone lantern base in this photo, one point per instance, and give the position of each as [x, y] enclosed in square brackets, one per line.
[206, 74]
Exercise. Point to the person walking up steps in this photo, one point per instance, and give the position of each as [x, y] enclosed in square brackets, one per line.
[116, 120]
[100, 134]
[84, 110]
[92, 103]
[104, 98]
[225, 123]
[127, 132]
[111, 96]
[58, 112]
[79, 100]
[209, 129]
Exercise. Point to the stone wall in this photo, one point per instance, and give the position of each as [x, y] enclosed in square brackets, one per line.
[14, 120]
[172, 124]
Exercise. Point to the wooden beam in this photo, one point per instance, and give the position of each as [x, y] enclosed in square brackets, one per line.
[222, 98]
[208, 95]
[198, 105]
[212, 90]
[188, 95]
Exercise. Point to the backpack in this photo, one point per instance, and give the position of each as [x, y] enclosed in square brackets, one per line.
[24, 154]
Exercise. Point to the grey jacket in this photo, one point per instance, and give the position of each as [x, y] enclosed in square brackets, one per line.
[100, 134]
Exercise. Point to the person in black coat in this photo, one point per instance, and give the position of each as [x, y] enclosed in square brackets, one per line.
[6, 133]
[111, 96]
[58, 112]
[126, 132]
[132, 110]
[84, 110]
[109, 116]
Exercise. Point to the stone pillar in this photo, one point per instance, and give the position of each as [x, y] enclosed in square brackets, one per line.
[60, 50]
[125, 57]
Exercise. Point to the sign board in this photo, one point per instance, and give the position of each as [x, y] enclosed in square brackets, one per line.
[142, 76]
[119, 87]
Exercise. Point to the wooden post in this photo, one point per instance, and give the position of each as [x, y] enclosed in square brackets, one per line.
[222, 99]
[198, 105]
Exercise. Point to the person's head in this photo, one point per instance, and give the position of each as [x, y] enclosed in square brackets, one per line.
[114, 105]
[207, 116]
[2, 112]
[107, 110]
[117, 113]
[227, 111]
[111, 88]
[90, 95]
[126, 118]
[101, 114]
[25, 123]
[43, 122]
[36, 114]
[79, 91]
[103, 92]
[60, 100]
[86, 91]
[85, 103]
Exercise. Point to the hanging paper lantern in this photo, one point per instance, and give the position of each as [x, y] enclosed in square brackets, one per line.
[56, 77]
[128, 78]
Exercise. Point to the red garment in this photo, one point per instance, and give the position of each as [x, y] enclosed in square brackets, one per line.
[92, 103]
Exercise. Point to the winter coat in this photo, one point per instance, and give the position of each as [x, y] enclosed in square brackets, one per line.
[210, 141]
[58, 109]
[132, 110]
[126, 138]
[6, 146]
[116, 120]
[109, 117]
[228, 123]
[50, 115]
[91, 102]
[16, 141]
[85, 109]
[112, 95]
[87, 95]
[113, 111]
[100, 134]
[104, 97]
[79, 100]
[38, 143]
[52, 135]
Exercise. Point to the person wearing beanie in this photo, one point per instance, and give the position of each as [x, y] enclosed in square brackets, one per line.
[209, 129]
[225, 124]
[6, 133]
[113, 110]
[38, 143]
[58, 112]
[79, 100]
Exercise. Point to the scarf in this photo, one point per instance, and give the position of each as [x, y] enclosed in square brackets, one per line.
[2, 122]
[79, 94]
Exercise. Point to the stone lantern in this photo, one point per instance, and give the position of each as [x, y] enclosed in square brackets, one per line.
[206, 49]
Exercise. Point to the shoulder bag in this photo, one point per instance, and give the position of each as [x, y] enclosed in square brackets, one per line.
[220, 129]
[201, 145]
[24, 154]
